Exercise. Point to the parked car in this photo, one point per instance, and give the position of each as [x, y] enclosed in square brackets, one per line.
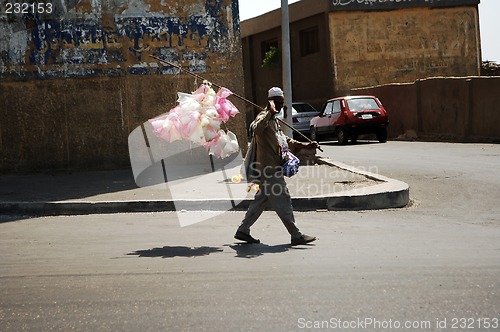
[350, 116]
[302, 113]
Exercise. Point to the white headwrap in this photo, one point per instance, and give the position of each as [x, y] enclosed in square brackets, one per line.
[275, 92]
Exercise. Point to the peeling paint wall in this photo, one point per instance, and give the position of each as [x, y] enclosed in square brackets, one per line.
[90, 37]
[76, 81]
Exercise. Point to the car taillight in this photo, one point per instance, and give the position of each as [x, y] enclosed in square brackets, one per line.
[295, 120]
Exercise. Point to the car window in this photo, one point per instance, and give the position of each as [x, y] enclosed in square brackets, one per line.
[303, 108]
[328, 109]
[362, 104]
[336, 106]
[280, 114]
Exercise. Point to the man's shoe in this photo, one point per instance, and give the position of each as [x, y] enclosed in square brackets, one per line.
[245, 237]
[304, 239]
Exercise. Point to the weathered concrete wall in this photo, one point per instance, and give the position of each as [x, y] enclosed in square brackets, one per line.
[442, 106]
[75, 82]
[458, 109]
[403, 45]
[484, 117]
[258, 80]
[400, 100]
[311, 73]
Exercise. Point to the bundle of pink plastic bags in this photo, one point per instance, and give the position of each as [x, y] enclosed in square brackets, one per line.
[197, 118]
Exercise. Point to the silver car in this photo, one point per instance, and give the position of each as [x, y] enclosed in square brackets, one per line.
[302, 113]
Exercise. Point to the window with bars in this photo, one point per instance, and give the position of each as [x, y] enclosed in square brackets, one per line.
[309, 41]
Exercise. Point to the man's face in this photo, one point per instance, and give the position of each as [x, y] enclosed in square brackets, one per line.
[278, 102]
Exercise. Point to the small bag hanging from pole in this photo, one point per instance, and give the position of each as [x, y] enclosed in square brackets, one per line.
[289, 162]
[249, 169]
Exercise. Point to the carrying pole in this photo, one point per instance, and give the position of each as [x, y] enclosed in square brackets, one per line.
[234, 94]
[286, 61]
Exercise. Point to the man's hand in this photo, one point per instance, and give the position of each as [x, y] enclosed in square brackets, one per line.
[312, 145]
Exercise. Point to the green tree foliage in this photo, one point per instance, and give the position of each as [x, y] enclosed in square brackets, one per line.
[272, 58]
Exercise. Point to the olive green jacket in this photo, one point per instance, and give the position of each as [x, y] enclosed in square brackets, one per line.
[264, 127]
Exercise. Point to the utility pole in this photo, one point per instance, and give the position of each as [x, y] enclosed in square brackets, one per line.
[286, 64]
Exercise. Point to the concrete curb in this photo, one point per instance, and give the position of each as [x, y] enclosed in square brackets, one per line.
[389, 193]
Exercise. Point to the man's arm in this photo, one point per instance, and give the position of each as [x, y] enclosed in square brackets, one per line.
[296, 146]
[262, 120]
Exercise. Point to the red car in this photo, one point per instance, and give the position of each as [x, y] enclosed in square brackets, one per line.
[350, 116]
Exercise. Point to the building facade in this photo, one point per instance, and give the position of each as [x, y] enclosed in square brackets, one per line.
[339, 45]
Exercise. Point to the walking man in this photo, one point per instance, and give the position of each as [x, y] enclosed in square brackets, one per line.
[272, 187]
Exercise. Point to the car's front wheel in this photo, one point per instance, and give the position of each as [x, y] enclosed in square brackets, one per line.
[382, 135]
[314, 133]
[342, 136]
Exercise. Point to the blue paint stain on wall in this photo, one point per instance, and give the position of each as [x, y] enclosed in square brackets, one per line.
[236, 16]
[59, 46]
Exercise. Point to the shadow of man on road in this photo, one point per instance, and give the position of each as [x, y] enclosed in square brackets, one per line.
[176, 251]
[245, 250]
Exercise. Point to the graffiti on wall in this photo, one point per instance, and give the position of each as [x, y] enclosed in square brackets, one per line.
[87, 39]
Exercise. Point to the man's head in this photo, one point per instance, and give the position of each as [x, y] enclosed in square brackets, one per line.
[276, 94]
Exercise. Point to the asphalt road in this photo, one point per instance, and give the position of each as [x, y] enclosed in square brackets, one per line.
[432, 266]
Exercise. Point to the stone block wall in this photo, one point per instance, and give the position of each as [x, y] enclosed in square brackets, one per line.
[399, 46]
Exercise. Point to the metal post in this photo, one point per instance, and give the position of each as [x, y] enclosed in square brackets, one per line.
[286, 63]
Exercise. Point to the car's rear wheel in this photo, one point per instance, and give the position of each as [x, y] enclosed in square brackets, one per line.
[342, 136]
[314, 133]
[382, 135]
